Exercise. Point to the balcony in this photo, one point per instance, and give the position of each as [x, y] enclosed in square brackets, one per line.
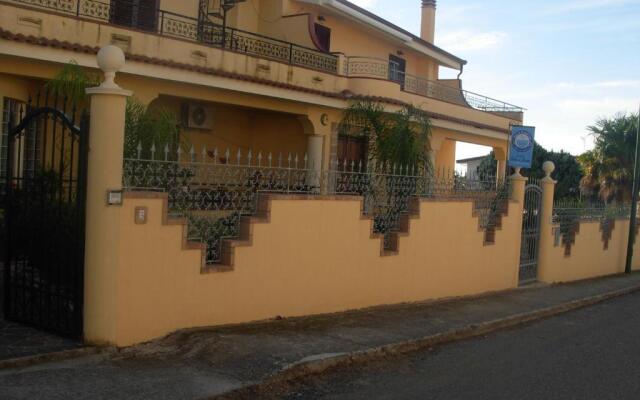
[367, 67]
[126, 14]
[169, 24]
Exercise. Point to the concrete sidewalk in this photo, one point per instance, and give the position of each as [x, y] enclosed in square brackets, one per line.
[206, 363]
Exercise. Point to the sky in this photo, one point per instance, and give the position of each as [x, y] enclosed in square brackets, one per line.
[568, 62]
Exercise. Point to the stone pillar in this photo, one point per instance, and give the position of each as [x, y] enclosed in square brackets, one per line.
[546, 227]
[106, 146]
[518, 184]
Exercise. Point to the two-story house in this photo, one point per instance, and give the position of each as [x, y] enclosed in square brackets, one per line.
[260, 75]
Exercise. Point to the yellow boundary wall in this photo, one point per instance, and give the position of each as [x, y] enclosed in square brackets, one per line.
[589, 258]
[313, 256]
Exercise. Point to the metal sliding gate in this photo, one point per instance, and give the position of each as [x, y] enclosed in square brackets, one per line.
[530, 234]
[45, 190]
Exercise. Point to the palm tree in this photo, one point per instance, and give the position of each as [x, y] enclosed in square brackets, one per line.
[402, 138]
[608, 168]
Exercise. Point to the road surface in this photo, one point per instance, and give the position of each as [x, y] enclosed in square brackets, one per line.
[592, 353]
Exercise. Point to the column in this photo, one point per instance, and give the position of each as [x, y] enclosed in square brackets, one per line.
[501, 169]
[518, 184]
[546, 227]
[106, 146]
[314, 163]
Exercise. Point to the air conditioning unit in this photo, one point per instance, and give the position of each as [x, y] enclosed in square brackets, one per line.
[198, 116]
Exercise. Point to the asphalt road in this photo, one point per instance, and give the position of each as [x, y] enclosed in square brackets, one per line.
[593, 353]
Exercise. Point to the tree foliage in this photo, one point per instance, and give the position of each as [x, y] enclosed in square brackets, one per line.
[400, 138]
[71, 83]
[568, 172]
[143, 125]
[608, 168]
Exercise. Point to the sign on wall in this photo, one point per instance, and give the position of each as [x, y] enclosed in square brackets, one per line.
[521, 150]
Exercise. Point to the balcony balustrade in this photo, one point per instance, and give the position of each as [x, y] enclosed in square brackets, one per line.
[367, 67]
[165, 23]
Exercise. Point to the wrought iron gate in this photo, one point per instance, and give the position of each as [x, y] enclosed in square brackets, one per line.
[530, 233]
[45, 190]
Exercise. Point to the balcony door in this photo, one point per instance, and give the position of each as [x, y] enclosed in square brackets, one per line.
[138, 14]
[397, 68]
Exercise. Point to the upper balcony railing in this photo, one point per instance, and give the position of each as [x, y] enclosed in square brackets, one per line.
[367, 67]
[130, 14]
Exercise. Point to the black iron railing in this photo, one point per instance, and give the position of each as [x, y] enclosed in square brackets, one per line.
[132, 15]
[214, 194]
[368, 67]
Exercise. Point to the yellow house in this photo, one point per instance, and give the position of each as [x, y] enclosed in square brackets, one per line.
[277, 82]
[260, 80]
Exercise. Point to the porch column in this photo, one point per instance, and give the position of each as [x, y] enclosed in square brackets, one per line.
[106, 146]
[501, 158]
[546, 227]
[314, 163]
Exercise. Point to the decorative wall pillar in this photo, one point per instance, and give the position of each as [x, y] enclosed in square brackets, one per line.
[546, 226]
[104, 175]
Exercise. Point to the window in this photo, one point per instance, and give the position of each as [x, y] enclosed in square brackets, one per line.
[28, 145]
[323, 34]
[397, 69]
[140, 14]
[352, 150]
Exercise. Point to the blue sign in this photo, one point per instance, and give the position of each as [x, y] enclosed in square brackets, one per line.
[521, 150]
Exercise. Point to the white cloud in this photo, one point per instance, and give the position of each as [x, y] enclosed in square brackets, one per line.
[471, 41]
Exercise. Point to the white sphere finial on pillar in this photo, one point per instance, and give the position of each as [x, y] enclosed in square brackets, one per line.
[110, 60]
[548, 167]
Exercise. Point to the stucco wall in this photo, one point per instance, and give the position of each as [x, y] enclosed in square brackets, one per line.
[313, 256]
[241, 128]
[588, 258]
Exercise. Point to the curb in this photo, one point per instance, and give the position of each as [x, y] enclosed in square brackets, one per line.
[316, 367]
[28, 361]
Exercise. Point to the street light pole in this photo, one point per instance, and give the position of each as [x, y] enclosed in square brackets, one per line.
[634, 203]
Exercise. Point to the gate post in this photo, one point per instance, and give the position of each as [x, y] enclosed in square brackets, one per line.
[546, 227]
[518, 183]
[104, 174]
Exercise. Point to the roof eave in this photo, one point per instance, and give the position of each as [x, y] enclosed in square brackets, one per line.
[352, 11]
